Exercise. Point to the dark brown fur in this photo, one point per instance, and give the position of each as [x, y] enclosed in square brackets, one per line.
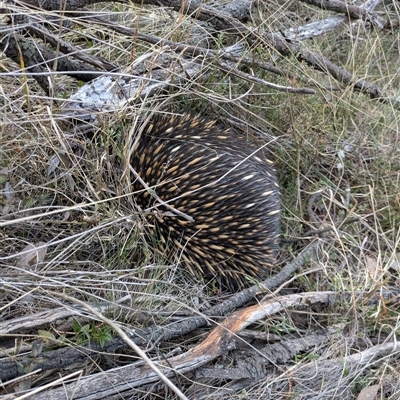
[224, 183]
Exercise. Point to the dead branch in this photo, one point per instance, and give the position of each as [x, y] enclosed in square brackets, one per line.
[38, 60]
[218, 342]
[332, 377]
[223, 21]
[353, 11]
[61, 358]
[35, 25]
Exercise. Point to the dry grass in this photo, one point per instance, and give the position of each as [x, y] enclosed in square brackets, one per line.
[338, 157]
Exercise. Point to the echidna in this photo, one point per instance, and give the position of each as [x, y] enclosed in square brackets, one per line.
[220, 180]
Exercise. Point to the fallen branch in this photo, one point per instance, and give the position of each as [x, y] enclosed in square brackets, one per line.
[63, 357]
[218, 342]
